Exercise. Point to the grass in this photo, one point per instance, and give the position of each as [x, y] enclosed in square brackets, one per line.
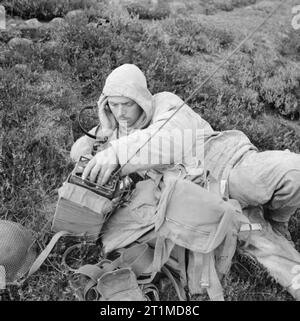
[45, 10]
[257, 91]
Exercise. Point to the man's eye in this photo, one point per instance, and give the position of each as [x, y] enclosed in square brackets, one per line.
[126, 105]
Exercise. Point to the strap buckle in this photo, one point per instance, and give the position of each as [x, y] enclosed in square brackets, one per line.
[245, 227]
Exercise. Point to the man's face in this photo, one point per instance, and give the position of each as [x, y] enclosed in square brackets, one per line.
[125, 110]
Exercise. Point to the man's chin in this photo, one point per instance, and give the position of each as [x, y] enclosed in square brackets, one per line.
[124, 123]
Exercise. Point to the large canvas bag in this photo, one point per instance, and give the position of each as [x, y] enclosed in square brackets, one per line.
[194, 218]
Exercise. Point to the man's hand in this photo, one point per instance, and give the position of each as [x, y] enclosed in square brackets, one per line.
[101, 166]
[102, 103]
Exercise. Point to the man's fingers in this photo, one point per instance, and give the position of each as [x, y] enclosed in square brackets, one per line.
[102, 102]
[107, 175]
[94, 172]
[88, 168]
[101, 98]
[101, 165]
[101, 174]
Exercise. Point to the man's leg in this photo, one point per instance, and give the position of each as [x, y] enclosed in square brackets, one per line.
[133, 219]
[284, 202]
[270, 178]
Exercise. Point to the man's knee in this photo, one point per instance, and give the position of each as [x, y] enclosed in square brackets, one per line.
[271, 177]
[286, 197]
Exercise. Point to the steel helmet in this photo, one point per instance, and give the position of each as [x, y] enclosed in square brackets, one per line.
[17, 252]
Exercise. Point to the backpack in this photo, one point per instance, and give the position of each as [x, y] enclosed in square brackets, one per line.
[192, 243]
[206, 225]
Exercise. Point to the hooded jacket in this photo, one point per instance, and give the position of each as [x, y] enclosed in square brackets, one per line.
[185, 138]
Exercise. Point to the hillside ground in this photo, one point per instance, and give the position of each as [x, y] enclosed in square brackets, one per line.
[62, 64]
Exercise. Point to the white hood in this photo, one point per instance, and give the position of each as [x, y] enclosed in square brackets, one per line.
[127, 81]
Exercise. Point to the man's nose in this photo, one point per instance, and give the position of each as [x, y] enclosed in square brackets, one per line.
[120, 111]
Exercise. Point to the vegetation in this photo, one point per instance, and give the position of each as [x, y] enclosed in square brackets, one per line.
[43, 87]
[44, 9]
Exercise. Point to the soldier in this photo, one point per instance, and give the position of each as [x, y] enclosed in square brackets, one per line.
[132, 114]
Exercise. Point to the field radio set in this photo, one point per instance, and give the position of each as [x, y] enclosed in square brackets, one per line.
[83, 206]
[115, 185]
[108, 190]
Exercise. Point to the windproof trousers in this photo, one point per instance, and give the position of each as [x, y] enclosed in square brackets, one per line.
[271, 179]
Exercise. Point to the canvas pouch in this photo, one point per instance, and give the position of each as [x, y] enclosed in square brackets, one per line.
[80, 211]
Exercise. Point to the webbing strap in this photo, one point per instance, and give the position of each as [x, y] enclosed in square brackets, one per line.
[205, 271]
[218, 187]
[182, 265]
[210, 280]
[156, 266]
[176, 283]
[91, 287]
[139, 258]
[151, 288]
[45, 253]
[226, 254]
[162, 253]
[214, 290]
[194, 271]
[250, 227]
[92, 271]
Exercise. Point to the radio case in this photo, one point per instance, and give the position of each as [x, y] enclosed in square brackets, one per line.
[80, 211]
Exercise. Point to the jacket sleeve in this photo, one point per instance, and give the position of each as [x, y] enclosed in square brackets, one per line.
[172, 144]
[82, 146]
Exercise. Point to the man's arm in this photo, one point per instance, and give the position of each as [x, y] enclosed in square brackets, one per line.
[83, 146]
[174, 143]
